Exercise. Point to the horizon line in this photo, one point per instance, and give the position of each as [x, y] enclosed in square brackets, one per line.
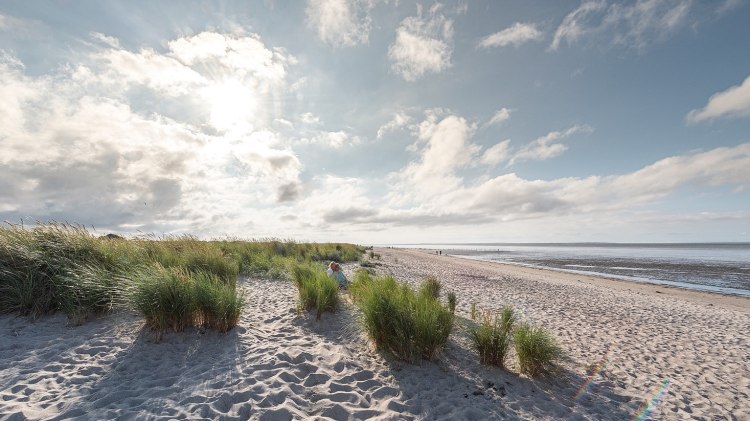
[579, 243]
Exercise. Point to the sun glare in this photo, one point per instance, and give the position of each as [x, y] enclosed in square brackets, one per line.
[232, 105]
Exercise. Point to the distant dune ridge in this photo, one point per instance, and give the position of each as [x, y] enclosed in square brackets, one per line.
[632, 351]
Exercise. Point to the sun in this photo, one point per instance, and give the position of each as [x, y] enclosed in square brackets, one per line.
[232, 105]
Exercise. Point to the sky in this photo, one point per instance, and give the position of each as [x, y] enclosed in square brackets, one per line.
[380, 121]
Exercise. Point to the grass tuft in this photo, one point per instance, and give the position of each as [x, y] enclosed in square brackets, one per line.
[452, 301]
[165, 297]
[52, 267]
[410, 325]
[316, 289]
[537, 350]
[218, 303]
[360, 282]
[57, 267]
[492, 337]
[430, 287]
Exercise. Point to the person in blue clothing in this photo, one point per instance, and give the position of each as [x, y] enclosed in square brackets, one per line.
[335, 272]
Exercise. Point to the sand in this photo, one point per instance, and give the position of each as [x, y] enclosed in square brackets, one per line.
[278, 364]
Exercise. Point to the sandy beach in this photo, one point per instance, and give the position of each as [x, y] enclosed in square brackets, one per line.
[686, 353]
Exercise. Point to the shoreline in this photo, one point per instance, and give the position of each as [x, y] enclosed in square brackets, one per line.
[735, 301]
[647, 334]
[681, 285]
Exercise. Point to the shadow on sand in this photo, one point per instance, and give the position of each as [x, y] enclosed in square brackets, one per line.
[456, 386]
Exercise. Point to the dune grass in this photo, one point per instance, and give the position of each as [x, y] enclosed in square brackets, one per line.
[57, 267]
[492, 338]
[175, 298]
[218, 303]
[411, 325]
[430, 287]
[536, 349]
[61, 267]
[452, 300]
[165, 297]
[360, 282]
[316, 289]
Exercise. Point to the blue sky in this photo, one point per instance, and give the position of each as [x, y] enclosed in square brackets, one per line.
[377, 121]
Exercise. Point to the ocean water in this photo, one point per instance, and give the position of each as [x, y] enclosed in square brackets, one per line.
[717, 267]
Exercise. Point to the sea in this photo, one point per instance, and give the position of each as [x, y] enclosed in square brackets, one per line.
[716, 267]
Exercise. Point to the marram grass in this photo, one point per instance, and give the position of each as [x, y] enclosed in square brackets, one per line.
[431, 287]
[173, 281]
[492, 338]
[218, 303]
[536, 349]
[58, 267]
[175, 298]
[411, 325]
[452, 300]
[316, 289]
[165, 297]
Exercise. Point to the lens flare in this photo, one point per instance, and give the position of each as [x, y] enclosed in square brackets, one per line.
[597, 369]
[648, 406]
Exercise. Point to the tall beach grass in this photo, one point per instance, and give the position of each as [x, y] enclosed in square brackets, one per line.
[411, 325]
[316, 289]
[431, 287]
[173, 281]
[58, 267]
[492, 338]
[537, 350]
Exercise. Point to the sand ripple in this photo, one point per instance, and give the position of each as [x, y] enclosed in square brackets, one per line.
[279, 365]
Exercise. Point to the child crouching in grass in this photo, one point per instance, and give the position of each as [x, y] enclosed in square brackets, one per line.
[335, 272]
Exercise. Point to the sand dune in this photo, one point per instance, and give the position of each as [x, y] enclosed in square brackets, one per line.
[277, 364]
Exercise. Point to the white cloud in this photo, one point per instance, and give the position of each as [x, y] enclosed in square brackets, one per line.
[219, 79]
[325, 200]
[105, 39]
[734, 102]
[283, 123]
[496, 154]
[728, 5]
[72, 147]
[238, 54]
[423, 44]
[508, 197]
[431, 191]
[309, 118]
[147, 67]
[399, 120]
[340, 22]
[720, 166]
[515, 35]
[333, 139]
[635, 25]
[444, 147]
[20, 27]
[547, 146]
[511, 198]
[500, 116]
[195, 62]
[577, 23]
[75, 142]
